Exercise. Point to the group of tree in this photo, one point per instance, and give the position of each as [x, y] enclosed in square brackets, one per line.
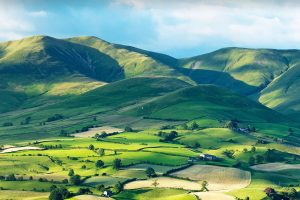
[57, 146]
[6, 124]
[192, 126]
[167, 137]
[58, 193]
[102, 135]
[26, 121]
[55, 118]
[270, 155]
[128, 129]
[229, 153]
[287, 194]
[232, 124]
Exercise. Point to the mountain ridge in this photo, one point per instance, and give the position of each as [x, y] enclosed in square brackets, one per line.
[268, 76]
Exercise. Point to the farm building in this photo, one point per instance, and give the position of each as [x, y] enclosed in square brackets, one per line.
[209, 157]
[107, 193]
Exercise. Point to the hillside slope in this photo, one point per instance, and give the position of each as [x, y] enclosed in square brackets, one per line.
[134, 61]
[208, 102]
[269, 76]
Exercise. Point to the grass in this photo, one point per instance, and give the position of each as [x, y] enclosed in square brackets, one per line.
[160, 194]
[23, 195]
[261, 181]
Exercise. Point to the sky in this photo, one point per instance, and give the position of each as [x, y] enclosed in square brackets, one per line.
[175, 27]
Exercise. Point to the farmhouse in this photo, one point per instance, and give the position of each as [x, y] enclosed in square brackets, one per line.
[209, 157]
[107, 193]
[244, 130]
[193, 159]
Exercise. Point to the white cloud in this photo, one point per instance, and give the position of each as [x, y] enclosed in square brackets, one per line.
[40, 13]
[192, 23]
[13, 25]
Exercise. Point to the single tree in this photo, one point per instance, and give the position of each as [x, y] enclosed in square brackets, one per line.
[128, 129]
[155, 183]
[251, 160]
[71, 172]
[150, 172]
[91, 147]
[117, 163]
[194, 126]
[100, 187]
[99, 163]
[75, 180]
[118, 187]
[101, 152]
[204, 185]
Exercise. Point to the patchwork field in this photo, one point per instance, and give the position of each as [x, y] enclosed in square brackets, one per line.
[92, 131]
[164, 182]
[218, 178]
[273, 167]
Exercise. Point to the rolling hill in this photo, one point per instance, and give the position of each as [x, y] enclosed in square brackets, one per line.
[268, 76]
[34, 70]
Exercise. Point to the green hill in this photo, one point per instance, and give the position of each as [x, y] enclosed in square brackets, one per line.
[269, 76]
[134, 61]
[42, 70]
[208, 102]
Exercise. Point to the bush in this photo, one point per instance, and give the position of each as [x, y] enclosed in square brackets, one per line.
[55, 118]
[84, 191]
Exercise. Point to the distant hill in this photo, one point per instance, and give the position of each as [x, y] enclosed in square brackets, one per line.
[269, 76]
[45, 70]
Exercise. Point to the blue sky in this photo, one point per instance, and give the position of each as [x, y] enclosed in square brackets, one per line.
[175, 27]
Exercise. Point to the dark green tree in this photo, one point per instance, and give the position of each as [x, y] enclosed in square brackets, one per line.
[117, 163]
[75, 180]
[71, 172]
[99, 163]
[150, 172]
